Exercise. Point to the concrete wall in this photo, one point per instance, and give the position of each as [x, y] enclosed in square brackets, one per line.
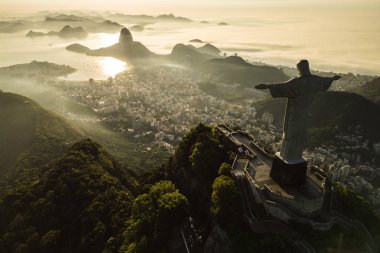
[305, 207]
[276, 211]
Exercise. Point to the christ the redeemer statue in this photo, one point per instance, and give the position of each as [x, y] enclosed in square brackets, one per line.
[300, 92]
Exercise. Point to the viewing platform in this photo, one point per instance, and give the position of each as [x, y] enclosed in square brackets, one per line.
[281, 201]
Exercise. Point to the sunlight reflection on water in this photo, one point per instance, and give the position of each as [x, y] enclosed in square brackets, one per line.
[111, 66]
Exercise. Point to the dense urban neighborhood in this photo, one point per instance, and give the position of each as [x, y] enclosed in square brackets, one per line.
[158, 105]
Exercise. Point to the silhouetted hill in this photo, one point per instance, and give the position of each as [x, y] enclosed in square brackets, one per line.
[370, 90]
[193, 54]
[333, 113]
[76, 205]
[29, 135]
[180, 52]
[234, 69]
[209, 49]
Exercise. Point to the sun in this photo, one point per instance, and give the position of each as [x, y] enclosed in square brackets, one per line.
[111, 66]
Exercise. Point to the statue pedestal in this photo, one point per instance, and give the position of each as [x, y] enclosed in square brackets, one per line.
[288, 173]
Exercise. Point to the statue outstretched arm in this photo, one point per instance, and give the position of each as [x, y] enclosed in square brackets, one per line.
[279, 89]
[327, 82]
[263, 86]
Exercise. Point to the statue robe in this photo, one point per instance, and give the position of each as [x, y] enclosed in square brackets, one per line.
[300, 92]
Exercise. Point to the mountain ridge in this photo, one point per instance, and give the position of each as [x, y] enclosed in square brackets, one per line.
[370, 90]
[28, 129]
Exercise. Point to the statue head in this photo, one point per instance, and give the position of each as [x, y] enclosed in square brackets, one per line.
[303, 68]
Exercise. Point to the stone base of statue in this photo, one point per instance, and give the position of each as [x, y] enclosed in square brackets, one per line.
[288, 173]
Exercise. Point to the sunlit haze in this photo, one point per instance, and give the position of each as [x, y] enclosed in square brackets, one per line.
[337, 35]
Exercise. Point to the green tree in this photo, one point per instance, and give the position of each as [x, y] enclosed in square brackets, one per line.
[225, 169]
[225, 201]
[76, 205]
[181, 157]
[357, 207]
[206, 157]
[154, 215]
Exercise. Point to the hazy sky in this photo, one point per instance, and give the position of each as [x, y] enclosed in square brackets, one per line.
[176, 6]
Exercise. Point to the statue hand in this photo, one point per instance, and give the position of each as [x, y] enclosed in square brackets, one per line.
[261, 86]
[336, 77]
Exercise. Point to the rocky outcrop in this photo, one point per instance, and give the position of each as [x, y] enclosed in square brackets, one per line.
[125, 36]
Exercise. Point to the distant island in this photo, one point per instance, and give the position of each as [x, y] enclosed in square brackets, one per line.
[147, 18]
[35, 69]
[171, 17]
[78, 48]
[66, 32]
[222, 23]
[137, 28]
[11, 27]
[64, 18]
